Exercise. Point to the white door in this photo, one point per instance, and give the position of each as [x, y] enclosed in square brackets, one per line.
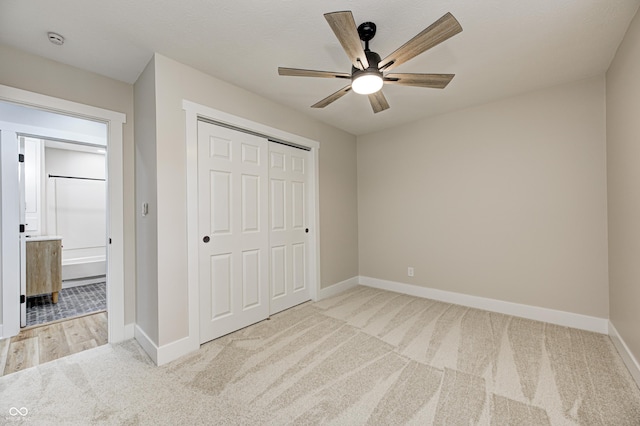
[33, 151]
[288, 226]
[23, 241]
[234, 237]
[10, 236]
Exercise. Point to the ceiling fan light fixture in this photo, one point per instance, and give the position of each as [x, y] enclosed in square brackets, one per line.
[366, 66]
[367, 82]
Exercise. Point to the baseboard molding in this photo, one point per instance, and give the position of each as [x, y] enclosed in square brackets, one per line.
[161, 355]
[338, 288]
[567, 319]
[627, 356]
[129, 331]
[174, 350]
[147, 344]
[1, 332]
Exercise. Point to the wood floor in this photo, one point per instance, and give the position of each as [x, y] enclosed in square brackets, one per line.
[45, 343]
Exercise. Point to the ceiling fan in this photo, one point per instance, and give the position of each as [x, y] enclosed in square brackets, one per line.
[368, 71]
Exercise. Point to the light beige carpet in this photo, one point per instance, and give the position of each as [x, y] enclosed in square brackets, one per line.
[363, 357]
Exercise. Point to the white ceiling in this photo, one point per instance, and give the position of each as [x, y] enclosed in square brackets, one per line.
[506, 47]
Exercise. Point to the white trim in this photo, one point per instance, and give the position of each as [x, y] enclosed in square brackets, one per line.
[243, 123]
[115, 230]
[147, 344]
[29, 130]
[1, 332]
[115, 227]
[40, 101]
[10, 245]
[192, 112]
[338, 288]
[567, 319]
[314, 220]
[166, 353]
[193, 286]
[174, 350]
[129, 331]
[627, 356]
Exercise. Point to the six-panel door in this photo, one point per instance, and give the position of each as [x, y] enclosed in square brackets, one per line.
[233, 223]
[253, 229]
[288, 171]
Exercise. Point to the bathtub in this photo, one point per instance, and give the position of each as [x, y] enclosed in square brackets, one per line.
[83, 270]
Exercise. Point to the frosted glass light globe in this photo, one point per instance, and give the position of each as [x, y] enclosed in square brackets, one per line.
[367, 83]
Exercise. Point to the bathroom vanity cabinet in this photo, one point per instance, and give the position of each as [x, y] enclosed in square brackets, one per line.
[44, 266]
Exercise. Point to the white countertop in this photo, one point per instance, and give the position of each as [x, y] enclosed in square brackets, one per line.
[43, 238]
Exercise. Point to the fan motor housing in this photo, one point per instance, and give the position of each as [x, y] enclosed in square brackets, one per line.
[373, 58]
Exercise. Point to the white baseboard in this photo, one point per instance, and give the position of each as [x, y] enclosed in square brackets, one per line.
[147, 344]
[338, 288]
[567, 319]
[627, 356]
[129, 331]
[161, 355]
[174, 350]
[1, 332]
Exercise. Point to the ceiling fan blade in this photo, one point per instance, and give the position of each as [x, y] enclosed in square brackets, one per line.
[295, 72]
[344, 27]
[435, 81]
[332, 97]
[436, 33]
[378, 101]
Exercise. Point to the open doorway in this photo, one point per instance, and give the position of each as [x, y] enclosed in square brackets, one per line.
[64, 191]
[85, 262]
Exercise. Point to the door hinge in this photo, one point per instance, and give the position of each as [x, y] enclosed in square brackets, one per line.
[23, 298]
[21, 228]
[109, 240]
[20, 158]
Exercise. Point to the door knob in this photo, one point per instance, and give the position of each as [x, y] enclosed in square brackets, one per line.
[206, 239]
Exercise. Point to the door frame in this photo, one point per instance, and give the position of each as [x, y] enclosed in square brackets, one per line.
[115, 201]
[193, 112]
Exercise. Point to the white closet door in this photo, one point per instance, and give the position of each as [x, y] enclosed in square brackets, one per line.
[288, 226]
[233, 224]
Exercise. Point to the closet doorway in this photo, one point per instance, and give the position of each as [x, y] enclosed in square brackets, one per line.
[253, 202]
[253, 243]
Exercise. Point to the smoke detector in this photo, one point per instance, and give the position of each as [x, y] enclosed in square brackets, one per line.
[55, 38]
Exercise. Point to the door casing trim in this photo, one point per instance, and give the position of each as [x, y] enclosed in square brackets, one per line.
[115, 199]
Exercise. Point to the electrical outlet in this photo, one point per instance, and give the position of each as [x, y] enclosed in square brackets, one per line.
[410, 271]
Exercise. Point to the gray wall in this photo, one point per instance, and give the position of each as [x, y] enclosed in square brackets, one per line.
[175, 82]
[36, 74]
[506, 200]
[623, 179]
[146, 192]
